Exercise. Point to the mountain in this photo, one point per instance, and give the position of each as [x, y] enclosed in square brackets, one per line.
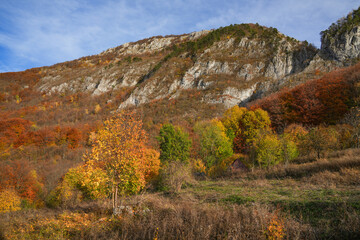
[198, 74]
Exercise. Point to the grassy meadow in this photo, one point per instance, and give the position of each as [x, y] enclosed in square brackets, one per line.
[308, 199]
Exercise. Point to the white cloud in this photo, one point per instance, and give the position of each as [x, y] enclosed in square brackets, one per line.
[42, 32]
[64, 30]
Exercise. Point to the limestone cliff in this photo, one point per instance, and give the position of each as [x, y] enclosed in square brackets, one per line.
[226, 66]
[341, 41]
[229, 66]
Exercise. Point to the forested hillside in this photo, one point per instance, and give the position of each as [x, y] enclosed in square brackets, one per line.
[239, 132]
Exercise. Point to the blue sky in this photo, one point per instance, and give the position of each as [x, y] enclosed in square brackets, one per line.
[36, 33]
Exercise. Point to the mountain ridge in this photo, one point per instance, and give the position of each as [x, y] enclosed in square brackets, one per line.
[228, 66]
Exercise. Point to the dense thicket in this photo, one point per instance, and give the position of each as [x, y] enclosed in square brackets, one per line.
[325, 100]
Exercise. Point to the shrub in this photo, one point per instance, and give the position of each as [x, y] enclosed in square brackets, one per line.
[92, 182]
[198, 166]
[9, 201]
[345, 136]
[63, 195]
[222, 167]
[276, 228]
[79, 183]
[19, 175]
[352, 118]
[173, 176]
[295, 133]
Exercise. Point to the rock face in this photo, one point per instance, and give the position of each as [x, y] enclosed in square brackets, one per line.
[227, 66]
[344, 46]
[341, 41]
[245, 64]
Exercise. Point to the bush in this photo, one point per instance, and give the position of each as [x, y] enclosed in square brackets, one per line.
[173, 176]
[63, 195]
[80, 183]
[9, 201]
[198, 167]
[222, 167]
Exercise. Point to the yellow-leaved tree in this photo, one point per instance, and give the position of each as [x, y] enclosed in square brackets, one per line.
[121, 150]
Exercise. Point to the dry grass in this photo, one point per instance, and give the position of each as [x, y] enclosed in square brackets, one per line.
[346, 176]
[305, 197]
[167, 218]
[307, 167]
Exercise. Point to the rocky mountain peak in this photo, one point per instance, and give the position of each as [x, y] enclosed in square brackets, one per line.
[341, 41]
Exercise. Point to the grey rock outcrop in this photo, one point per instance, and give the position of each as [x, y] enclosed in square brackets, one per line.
[229, 71]
[341, 41]
[343, 46]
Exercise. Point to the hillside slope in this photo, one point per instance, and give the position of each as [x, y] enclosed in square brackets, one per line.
[187, 76]
[222, 67]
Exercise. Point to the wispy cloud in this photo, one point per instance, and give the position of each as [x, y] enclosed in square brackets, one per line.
[303, 20]
[41, 32]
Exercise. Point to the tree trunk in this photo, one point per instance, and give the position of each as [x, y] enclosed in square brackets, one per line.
[113, 197]
[116, 195]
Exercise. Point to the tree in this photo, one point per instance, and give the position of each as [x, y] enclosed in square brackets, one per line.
[120, 149]
[231, 121]
[20, 176]
[174, 144]
[214, 144]
[266, 150]
[251, 123]
[353, 119]
[289, 148]
[320, 139]
[323, 100]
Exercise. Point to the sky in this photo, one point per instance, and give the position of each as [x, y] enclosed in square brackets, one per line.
[35, 33]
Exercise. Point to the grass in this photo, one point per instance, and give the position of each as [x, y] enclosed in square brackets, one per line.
[242, 206]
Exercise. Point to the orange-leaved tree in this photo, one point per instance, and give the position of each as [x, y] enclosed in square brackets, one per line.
[120, 149]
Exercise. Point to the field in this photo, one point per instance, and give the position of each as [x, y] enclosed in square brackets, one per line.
[308, 199]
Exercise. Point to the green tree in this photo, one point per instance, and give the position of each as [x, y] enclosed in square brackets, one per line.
[174, 143]
[266, 150]
[214, 144]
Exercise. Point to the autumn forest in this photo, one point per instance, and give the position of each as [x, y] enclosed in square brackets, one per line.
[284, 166]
